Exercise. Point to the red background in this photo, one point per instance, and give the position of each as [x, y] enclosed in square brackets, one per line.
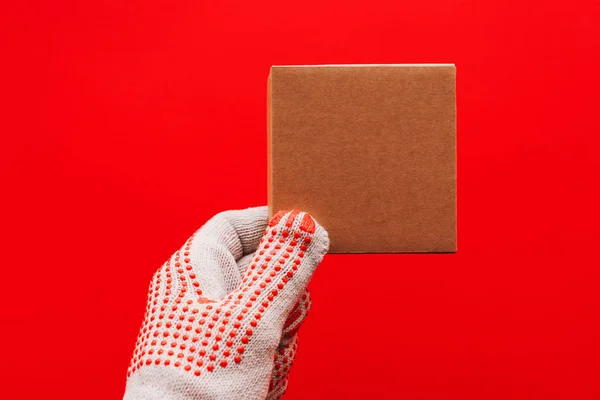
[126, 125]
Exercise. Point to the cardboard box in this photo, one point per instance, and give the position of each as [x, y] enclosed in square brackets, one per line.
[369, 151]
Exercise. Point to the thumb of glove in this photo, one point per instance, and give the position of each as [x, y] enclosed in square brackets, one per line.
[289, 252]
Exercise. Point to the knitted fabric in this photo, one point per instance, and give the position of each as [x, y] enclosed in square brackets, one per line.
[222, 315]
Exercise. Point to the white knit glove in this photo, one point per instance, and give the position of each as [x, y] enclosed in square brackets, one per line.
[222, 316]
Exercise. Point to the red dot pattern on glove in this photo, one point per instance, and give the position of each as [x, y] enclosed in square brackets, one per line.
[183, 329]
[283, 360]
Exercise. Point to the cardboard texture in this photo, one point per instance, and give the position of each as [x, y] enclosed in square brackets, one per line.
[369, 151]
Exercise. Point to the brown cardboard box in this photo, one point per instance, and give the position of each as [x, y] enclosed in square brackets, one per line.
[369, 151]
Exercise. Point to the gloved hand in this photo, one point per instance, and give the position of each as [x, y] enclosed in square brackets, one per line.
[222, 316]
